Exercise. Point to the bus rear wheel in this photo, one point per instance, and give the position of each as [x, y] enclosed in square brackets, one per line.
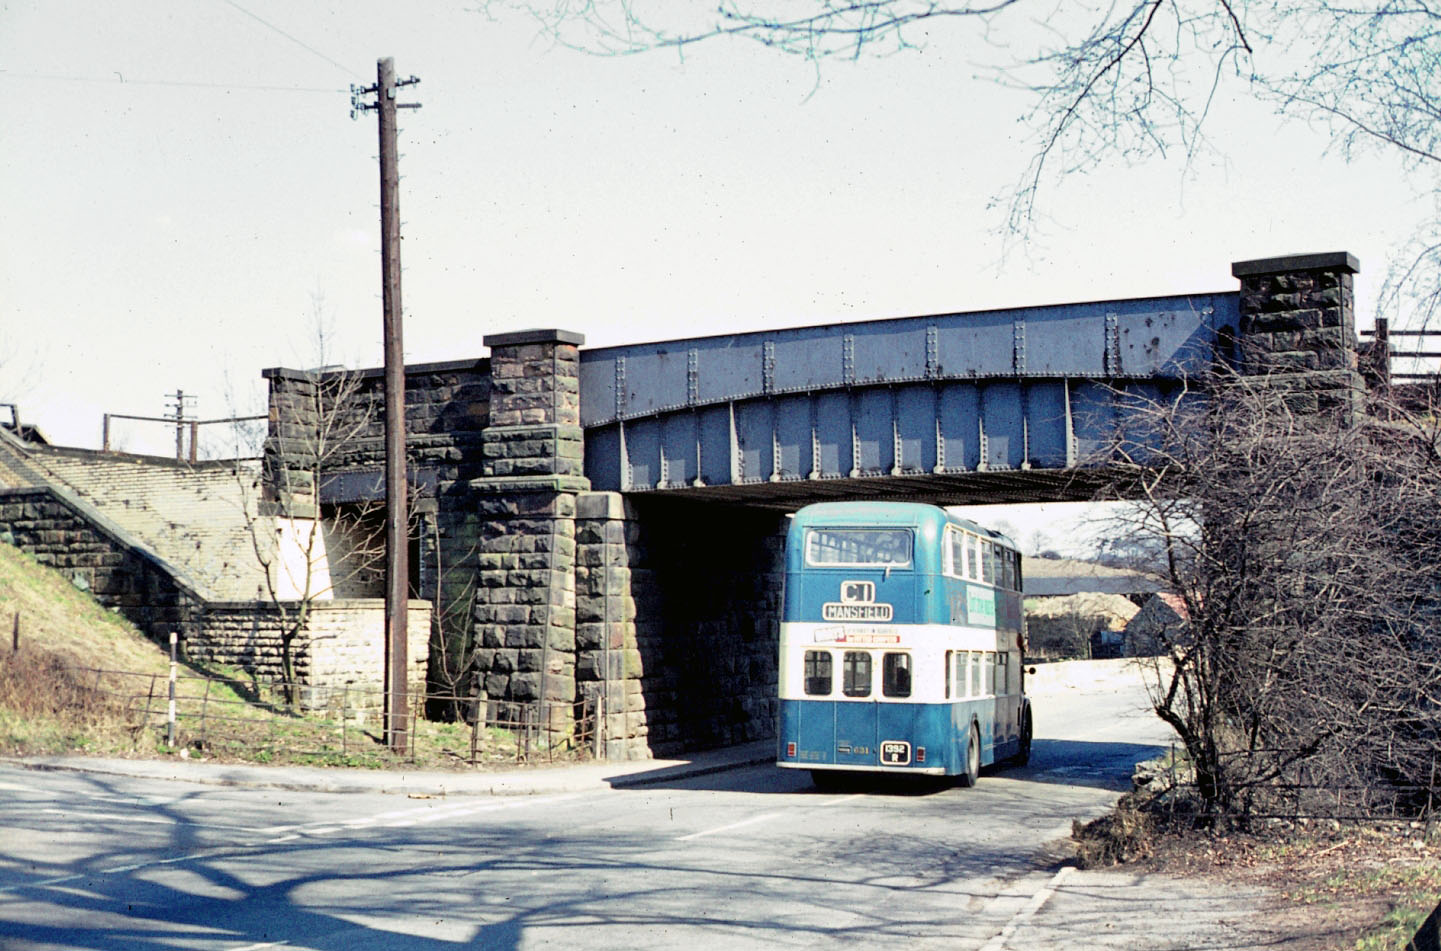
[1023, 755]
[973, 760]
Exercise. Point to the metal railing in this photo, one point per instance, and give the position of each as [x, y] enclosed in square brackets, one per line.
[1383, 357]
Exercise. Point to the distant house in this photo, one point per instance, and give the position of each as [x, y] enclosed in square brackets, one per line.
[1054, 577]
[1163, 613]
[1083, 625]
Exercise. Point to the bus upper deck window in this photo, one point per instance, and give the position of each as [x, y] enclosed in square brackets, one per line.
[818, 673]
[988, 562]
[896, 675]
[856, 674]
[868, 547]
[956, 549]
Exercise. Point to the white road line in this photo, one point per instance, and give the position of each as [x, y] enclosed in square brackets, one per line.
[764, 816]
[734, 825]
[40, 884]
[263, 944]
[1034, 905]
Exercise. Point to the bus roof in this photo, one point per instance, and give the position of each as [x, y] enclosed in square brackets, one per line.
[891, 513]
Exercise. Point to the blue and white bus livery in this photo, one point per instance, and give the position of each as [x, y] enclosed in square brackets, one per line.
[900, 644]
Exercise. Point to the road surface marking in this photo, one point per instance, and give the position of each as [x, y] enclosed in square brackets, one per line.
[762, 817]
[1034, 905]
[41, 884]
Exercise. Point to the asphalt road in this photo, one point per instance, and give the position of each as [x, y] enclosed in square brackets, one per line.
[752, 857]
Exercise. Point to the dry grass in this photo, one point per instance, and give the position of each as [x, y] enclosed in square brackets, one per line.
[46, 703]
[57, 618]
[54, 697]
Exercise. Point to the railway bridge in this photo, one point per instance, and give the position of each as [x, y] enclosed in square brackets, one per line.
[607, 523]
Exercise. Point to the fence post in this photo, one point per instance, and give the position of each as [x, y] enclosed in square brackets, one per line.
[15, 638]
[597, 740]
[474, 734]
[170, 707]
[204, 712]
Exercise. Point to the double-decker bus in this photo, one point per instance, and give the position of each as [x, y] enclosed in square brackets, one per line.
[900, 644]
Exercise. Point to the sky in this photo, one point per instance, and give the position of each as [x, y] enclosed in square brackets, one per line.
[187, 199]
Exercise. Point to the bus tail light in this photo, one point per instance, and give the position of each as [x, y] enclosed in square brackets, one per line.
[920, 754]
[790, 750]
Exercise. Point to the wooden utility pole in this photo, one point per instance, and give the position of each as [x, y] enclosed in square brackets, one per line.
[397, 520]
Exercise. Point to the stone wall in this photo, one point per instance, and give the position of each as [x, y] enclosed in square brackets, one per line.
[100, 558]
[343, 642]
[341, 416]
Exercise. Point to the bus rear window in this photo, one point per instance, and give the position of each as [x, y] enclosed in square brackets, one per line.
[856, 674]
[879, 547]
[818, 673]
[896, 675]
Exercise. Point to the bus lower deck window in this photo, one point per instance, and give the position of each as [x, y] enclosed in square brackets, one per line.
[818, 673]
[896, 675]
[856, 674]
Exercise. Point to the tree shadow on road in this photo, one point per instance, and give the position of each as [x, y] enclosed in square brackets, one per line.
[491, 883]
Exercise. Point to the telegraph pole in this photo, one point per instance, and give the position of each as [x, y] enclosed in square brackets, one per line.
[397, 540]
[181, 402]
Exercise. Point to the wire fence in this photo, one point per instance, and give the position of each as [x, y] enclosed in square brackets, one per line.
[266, 720]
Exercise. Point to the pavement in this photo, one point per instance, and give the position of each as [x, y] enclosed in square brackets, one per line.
[520, 781]
[1053, 907]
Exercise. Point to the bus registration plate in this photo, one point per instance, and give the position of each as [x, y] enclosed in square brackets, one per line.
[895, 752]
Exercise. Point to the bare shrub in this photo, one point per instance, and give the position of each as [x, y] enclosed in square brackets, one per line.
[1308, 554]
[39, 685]
[1125, 834]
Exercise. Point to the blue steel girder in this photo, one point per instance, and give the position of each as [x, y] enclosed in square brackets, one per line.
[1014, 390]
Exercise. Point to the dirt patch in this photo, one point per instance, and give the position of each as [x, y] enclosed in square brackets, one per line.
[1332, 887]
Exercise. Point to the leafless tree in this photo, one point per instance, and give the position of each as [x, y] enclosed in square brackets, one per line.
[453, 655]
[1308, 556]
[309, 551]
[1127, 81]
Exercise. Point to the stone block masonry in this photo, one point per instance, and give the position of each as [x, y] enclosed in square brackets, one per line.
[341, 645]
[333, 423]
[1298, 328]
[524, 502]
[102, 558]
